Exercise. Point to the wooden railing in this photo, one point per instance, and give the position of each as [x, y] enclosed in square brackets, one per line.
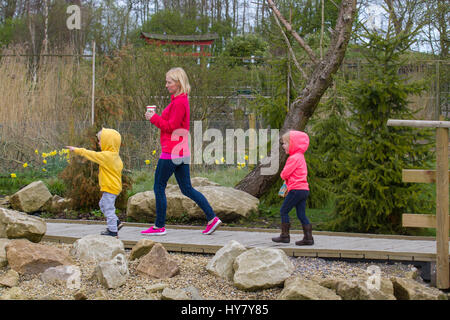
[440, 177]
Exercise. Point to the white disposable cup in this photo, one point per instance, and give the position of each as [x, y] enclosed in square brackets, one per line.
[151, 108]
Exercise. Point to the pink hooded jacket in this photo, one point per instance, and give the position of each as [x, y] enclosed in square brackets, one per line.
[295, 170]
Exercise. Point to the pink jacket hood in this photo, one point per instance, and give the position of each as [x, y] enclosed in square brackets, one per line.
[298, 142]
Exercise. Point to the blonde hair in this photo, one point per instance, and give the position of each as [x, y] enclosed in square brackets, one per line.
[286, 135]
[180, 76]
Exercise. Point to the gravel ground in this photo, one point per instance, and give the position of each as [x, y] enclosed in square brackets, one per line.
[192, 273]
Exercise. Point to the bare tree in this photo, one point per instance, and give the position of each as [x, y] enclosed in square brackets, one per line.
[303, 107]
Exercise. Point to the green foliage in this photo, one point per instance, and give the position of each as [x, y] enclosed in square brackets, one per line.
[328, 135]
[372, 196]
[9, 30]
[245, 46]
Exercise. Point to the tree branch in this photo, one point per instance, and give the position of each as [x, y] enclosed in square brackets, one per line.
[290, 48]
[288, 26]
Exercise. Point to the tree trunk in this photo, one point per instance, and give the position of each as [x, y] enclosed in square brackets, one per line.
[303, 106]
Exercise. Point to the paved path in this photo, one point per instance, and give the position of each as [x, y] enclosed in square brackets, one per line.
[191, 239]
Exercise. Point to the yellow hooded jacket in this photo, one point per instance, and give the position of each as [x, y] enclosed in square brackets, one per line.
[110, 171]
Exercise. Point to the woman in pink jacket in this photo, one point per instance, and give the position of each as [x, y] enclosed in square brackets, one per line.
[175, 155]
[295, 173]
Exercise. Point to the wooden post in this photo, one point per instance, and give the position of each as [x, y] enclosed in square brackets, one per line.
[442, 220]
[441, 176]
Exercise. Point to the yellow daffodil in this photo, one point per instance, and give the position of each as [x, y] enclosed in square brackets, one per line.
[36, 151]
[154, 151]
[44, 155]
[43, 169]
[239, 167]
[217, 161]
[147, 161]
[25, 165]
[53, 153]
[222, 160]
[44, 161]
[13, 175]
[246, 157]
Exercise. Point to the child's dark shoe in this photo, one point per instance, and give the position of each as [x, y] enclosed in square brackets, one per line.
[120, 224]
[107, 232]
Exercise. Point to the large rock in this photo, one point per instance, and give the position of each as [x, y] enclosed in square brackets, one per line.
[14, 293]
[69, 276]
[409, 289]
[31, 198]
[228, 203]
[174, 294]
[18, 225]
[113, 274]
[296, 288]
[58, 204]
[222, 263]
[141, 248]
[3, 259]
[261, 268]
[158, 263]
[97, 248]
[359, 290]
[9, 279]
[26, 257]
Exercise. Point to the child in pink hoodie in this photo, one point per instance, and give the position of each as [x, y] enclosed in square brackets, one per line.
[295, 173]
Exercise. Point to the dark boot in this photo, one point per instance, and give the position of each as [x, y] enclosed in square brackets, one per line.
[308, 239]
[284, 236]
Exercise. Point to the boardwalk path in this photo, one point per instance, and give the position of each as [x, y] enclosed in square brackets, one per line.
[327, 244]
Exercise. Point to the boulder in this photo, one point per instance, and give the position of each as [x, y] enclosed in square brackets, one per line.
[3, 260]
[19, 225]
[359, 290]
[174, 294]
[228, 203]
[26, 257]
[9, 279]
[65, 275]
[296, 288]
[141, 248]
[157, 287]
[409, 289]
[158, 264]
[58, 204]
[222, 263]
[261, 268]
[97, 248]
[31, 198]
[113, 274]
[14, 293]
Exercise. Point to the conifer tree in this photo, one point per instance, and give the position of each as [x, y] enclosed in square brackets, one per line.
[371, 196]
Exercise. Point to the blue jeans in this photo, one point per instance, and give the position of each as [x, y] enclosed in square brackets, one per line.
[297, 199]
[164, 171]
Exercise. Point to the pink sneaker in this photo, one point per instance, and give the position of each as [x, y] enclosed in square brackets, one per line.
[154, 231]
[210, 228]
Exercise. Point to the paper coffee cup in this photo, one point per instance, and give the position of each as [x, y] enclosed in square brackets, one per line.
[151, 108]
